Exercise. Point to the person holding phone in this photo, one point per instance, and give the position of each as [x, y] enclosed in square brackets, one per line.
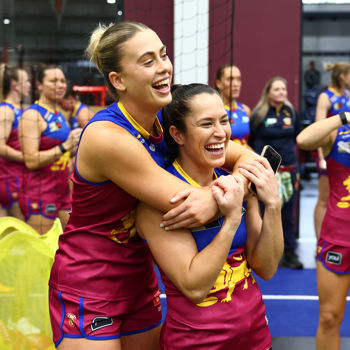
[274, 121]
[333, 247]
[103, 271]
[213, 300]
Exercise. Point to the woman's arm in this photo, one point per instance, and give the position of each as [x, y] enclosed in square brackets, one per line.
[322, 107]
[7, 117]
[321, 134]
[109, 152]
[194, 273]
[84, 116]
[264, 237]
[30, 129]
[235, 155]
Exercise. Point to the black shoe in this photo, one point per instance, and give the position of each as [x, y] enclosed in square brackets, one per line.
[291, 260]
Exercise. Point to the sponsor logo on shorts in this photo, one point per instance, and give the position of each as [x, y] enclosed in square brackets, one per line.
[334, 258]
[50, 208]
[100, 322]
[71, 318]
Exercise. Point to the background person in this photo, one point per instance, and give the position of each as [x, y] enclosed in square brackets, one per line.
[79, 113]
[274, 121]
[46, 142]
[228, 83]
[333, 247]
[109, 280]
[331, 101]
[14, 86]
[211, 294]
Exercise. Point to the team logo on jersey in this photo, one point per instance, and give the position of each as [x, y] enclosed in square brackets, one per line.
[152, 147]
[100, 322]
[55, 126]
[334, 258]
[287, 121]
[270, 121]
[345, 201]
[343, 147]
[123, 234]
[71, 318]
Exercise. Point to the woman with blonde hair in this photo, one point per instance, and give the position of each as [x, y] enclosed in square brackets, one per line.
[331, 101]
[274, 121]
[103, 288]
[333, 246]
[14, 86]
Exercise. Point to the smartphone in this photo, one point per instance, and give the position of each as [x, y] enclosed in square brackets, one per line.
[274, 159]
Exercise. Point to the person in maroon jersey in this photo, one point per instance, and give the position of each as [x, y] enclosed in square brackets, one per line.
[46, 142]
[333, 246]
[14, 86]
[212, 298]
[102, 285]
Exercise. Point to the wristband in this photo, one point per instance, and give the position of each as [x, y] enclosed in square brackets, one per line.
[62, 149]
[343, 118]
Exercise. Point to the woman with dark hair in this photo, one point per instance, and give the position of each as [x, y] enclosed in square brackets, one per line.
[79, 113]
[275, 122]
[103, 275]
[46, 142]
[228, 83]
[213, 300]
[14, 86]
[333, 246]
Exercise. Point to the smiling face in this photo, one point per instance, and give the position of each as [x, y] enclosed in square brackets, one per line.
[53, 87]
[144, 82]
[277, 94]
[203, 144]
[230, 83]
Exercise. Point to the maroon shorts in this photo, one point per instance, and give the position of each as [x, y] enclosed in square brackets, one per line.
[77, 317]
[9, 188]
[333, 257]
[47, 206]
[239, 323]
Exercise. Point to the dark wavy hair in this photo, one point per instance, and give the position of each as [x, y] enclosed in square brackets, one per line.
[179, 108]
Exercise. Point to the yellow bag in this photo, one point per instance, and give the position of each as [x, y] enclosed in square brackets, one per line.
[25, 265]
[10, 224]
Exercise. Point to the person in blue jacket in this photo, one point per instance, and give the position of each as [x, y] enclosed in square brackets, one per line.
[274, 121]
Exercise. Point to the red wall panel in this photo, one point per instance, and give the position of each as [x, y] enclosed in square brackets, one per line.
[266, 43]
[157, 14]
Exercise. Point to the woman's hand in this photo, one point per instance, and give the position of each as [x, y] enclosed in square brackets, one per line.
[71, 144]
[197, 208]
[228, 192]
[261, 174]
